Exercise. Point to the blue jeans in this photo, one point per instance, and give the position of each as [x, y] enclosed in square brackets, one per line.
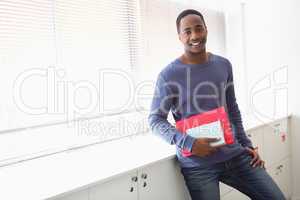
[203, 182]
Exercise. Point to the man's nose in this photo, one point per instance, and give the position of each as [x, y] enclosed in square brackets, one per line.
[195, 36]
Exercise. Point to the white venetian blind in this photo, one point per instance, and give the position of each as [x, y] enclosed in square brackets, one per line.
[75, 39]
[93, 34]
[26, 42]
[63, 43]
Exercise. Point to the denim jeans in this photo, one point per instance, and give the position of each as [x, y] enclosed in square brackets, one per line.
[203, 182]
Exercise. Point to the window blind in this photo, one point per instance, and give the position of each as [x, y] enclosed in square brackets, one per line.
[26, 42]
[78, 38]
[93, 34]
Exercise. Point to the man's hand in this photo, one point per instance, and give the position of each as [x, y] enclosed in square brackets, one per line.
[256, 160]
[201, 147]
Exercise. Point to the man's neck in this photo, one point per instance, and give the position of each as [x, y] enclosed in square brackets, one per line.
[194, 58]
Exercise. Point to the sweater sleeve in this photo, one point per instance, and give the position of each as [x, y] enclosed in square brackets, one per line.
[234, 113]
[161, 104]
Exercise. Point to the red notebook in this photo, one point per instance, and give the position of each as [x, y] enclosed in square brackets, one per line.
[210, 124]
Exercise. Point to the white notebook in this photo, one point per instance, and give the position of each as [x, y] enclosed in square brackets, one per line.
[210, 130]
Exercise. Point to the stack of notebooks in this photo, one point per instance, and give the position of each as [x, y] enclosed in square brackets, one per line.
[210, 124]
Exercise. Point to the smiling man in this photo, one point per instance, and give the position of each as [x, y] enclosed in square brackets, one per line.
[211, 144]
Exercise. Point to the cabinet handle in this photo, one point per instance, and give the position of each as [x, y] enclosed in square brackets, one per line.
[277, 125]
[280, 166]
[134, 178]
[131, 189]
[144, 184]
[144, 176]
[279, 169]
[249, 135]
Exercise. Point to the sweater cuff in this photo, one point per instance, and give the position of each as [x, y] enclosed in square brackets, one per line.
[188, 143]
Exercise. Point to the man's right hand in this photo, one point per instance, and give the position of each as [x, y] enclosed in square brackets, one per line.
[201, 146]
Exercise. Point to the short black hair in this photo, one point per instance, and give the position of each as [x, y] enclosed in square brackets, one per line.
[185, 13]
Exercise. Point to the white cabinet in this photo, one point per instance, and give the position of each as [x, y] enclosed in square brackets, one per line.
[162, 181]
[276, 142]
[281, 174]
[159, 181]
[123, 187]
[235, 195]
[81, 195]
[224, 189]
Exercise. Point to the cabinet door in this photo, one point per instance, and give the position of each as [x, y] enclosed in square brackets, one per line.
[162, 181]
[224, 189]
[81, 195]
[276, 142]
[281, 174]
[235, 195]
[123, 187]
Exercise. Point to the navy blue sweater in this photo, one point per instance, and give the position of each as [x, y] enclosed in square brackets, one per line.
[189, 89]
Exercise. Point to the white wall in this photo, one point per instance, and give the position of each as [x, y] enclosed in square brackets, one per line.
[235, 52]
[293, 51]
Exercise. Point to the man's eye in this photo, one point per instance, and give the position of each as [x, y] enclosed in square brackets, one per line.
[187, 32]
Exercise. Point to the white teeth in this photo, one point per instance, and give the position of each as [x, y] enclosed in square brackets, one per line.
[195, 44]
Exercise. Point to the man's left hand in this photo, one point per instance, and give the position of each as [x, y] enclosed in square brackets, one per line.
[256, 160]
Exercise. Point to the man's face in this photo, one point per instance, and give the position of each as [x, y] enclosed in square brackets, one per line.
[193, 34]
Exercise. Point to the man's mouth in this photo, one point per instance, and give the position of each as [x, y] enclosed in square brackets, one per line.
[195, 43]
[198, 43]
